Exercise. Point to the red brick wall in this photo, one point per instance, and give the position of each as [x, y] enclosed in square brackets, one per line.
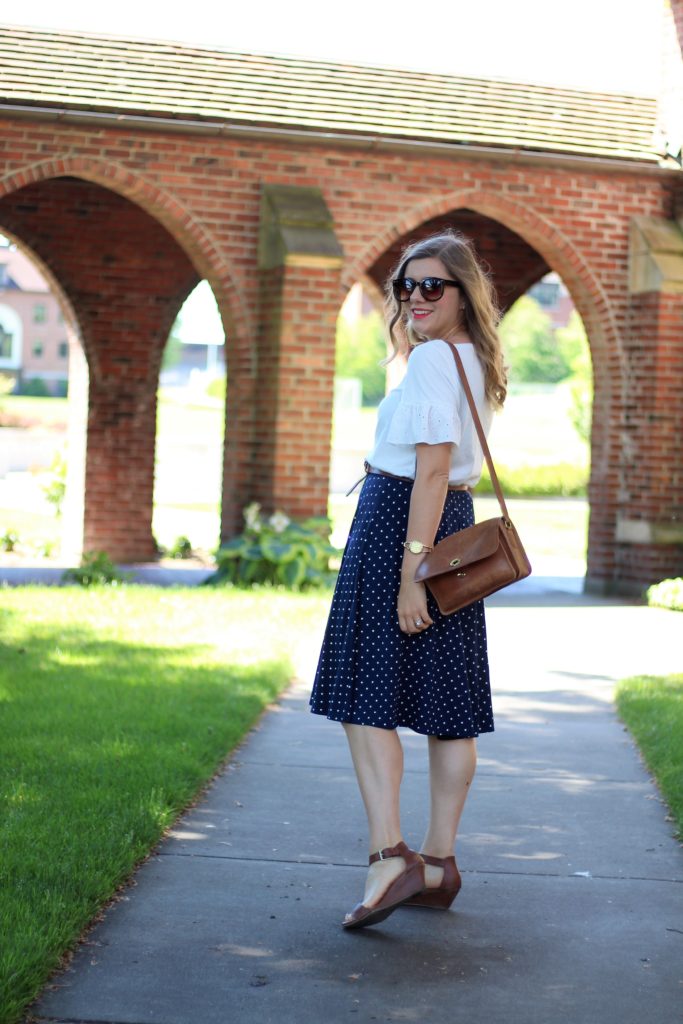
[126, 278]
[192, 203]
[677, 8]
[295, 388]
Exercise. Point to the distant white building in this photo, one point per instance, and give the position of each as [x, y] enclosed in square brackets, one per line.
[33, 334]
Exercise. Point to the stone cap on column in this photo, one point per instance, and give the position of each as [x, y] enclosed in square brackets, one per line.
[656, 255]
[296, 229]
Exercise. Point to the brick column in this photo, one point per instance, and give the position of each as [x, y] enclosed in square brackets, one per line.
[119, 474]
[300, 297]
[241, 361]
[125, 277]
[295, 389]
[649, 531]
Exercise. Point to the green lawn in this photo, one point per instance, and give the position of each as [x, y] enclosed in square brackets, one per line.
[652, 708]
[116, 707]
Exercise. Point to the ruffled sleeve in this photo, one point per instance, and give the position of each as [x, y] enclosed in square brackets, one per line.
[428, 410]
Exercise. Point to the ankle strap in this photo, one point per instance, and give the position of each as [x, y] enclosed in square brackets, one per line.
[400, 850]
[437, 862]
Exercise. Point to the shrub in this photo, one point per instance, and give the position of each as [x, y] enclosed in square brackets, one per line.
[277, 550]
[34, 387]
[9, 540]
[95, 567]
[47, 548]
[182, 548]
[55, 488]
[360, 347]
[216, 388]
[667, 594]
[564, 479]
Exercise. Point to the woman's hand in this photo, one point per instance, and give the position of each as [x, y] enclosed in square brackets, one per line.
[426, 508]
[412, 607]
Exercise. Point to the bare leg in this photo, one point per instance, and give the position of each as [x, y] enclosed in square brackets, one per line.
[452, 764]
[378, 759]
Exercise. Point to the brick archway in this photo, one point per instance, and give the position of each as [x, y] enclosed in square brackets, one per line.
[537, 230]
[123, 339]
[591, 196]
[73, 506]
[201, 248]
[558, 254]
[63, 299]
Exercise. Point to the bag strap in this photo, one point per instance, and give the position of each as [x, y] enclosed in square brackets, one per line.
[480, 432]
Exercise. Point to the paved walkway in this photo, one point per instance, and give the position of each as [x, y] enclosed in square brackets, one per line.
[572, 903]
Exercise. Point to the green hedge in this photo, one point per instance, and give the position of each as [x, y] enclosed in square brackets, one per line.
[667, 594]
[564, 479]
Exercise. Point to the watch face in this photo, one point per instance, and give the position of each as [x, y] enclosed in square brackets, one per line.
[415, 547]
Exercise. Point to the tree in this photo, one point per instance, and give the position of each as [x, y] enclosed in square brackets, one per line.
[174, 347]
[530, 345]
[574, 343]
[360, 346]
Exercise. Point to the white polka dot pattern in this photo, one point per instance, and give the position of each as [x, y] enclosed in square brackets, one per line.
[369, 672]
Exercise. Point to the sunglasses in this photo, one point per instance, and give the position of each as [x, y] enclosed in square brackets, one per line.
[431, 288]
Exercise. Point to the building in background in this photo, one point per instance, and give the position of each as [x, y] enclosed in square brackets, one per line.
[552, 296]
[33, 335]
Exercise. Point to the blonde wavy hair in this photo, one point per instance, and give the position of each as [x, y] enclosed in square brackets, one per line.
[481, 314]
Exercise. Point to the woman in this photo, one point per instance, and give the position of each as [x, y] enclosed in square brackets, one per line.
[389, 658]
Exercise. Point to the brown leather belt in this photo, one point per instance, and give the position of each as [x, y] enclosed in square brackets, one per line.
[407, 479]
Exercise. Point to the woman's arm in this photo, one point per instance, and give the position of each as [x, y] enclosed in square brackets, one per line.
[426, 508]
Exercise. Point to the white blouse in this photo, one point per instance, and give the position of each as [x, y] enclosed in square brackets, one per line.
[429, 406]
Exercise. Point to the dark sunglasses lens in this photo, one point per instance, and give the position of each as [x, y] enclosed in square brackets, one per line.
[432, 288]
[403, 288]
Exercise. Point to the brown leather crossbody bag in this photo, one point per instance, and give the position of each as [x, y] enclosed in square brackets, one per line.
[481, 559]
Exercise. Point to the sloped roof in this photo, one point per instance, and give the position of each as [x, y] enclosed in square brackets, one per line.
[23, 273]
[78, 71]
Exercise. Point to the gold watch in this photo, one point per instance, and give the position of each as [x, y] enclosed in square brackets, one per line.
[416, 547]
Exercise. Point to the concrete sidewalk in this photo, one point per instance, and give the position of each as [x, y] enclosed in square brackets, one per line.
[572, 903]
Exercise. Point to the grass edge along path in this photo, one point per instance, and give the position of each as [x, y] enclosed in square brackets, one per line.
[117, 708]
[652, 709]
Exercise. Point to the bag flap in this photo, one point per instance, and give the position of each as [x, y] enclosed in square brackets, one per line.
[466, 546]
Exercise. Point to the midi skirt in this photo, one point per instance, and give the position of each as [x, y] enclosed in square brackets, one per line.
[369, 672]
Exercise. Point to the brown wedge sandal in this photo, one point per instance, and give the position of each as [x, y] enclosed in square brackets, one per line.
[408, 884]
[440, 897]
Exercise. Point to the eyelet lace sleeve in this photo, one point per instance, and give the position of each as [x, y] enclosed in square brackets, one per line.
[428, 410]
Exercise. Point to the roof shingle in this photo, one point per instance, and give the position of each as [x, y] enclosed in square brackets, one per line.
[147, 78]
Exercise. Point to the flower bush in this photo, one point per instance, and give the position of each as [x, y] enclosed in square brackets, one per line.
[96, 568]
[55, 487]
[277, 549]
[667, 594]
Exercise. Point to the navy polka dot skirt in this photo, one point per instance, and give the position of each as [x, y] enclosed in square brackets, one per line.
[371, 673]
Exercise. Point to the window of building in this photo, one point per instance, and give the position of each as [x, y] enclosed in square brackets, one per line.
[546, 293]
[5, 343]
[39, 313]
[37, 349]
[63, 350]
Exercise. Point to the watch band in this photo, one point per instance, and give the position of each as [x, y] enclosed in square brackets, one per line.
[416, 547]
